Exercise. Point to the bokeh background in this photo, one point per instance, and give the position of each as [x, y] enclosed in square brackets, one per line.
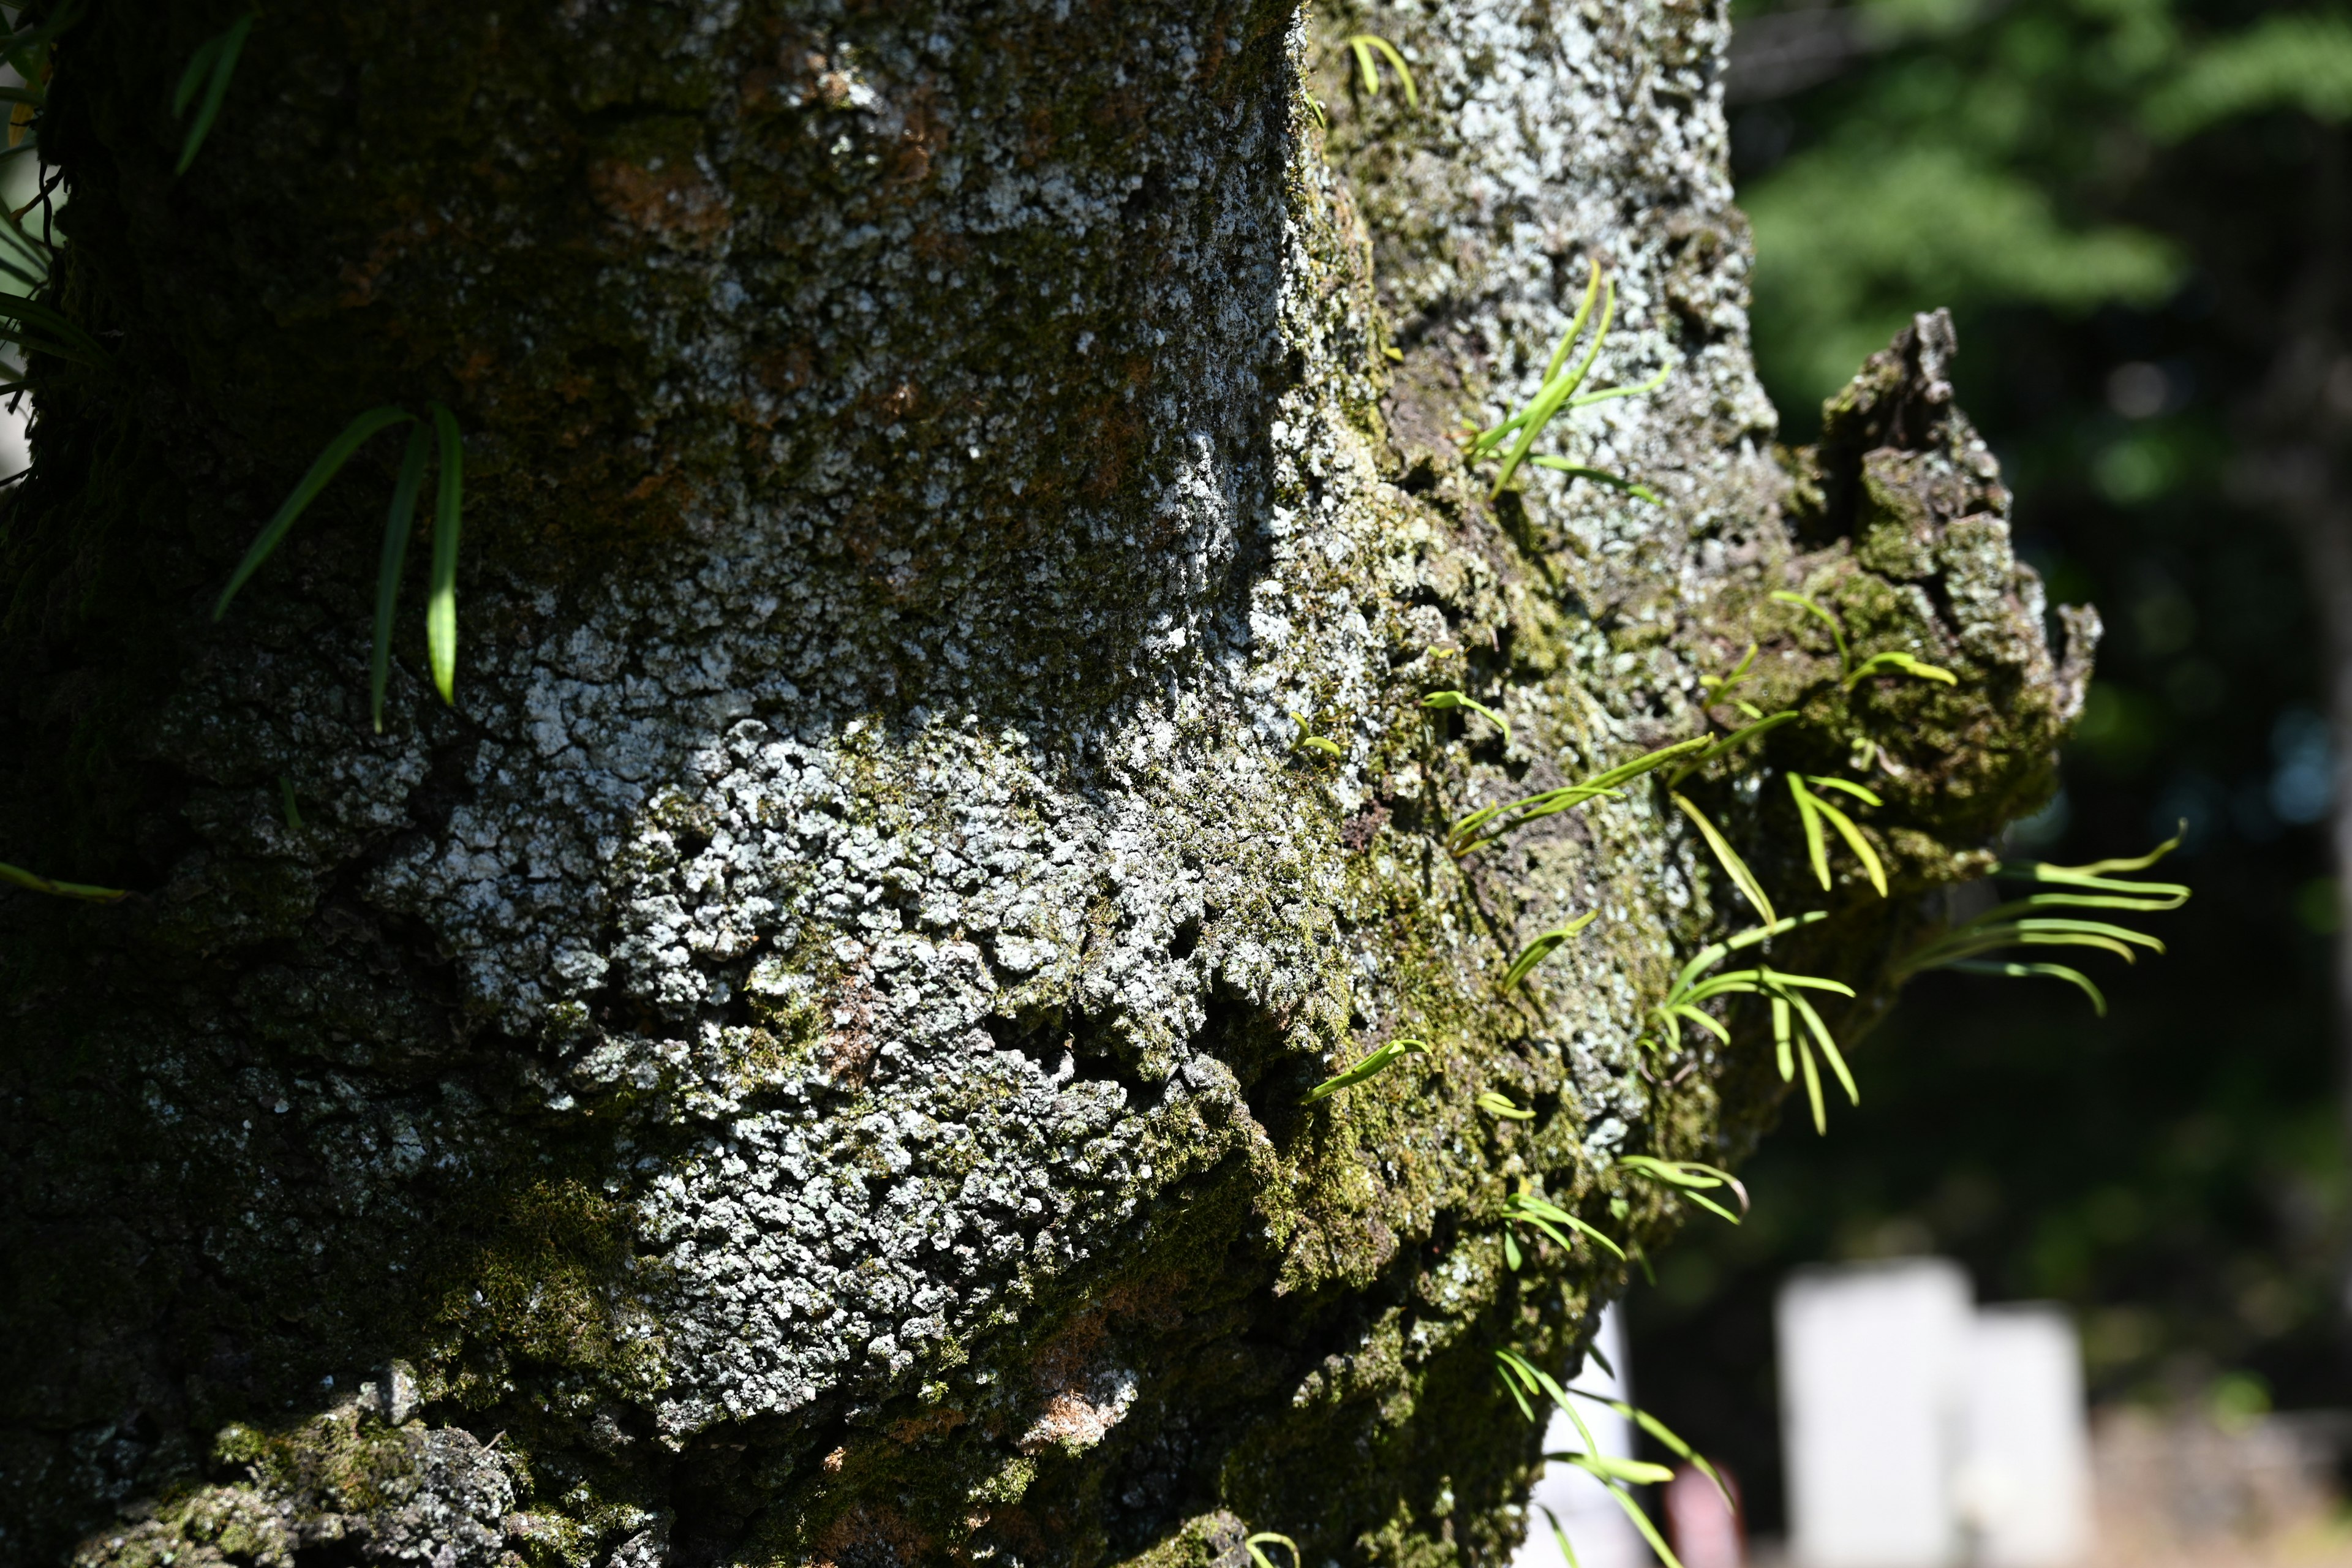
[2140, 215]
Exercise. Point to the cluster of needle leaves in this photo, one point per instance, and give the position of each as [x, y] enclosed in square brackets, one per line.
[2052, 912]
[1559, 392]
[425, 441]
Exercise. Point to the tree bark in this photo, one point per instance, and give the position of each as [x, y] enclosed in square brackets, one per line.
[804, 1062]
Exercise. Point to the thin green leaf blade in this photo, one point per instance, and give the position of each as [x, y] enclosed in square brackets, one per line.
[398, 524]
[224, 66]
[441, 600]
[328, 464]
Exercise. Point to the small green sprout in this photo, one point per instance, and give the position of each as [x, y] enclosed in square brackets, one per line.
[1494, 1104]
[17, 876]
[1812, 809]
[441, 594]
[286, 798]
[1380, 1060]
[1694, 987]
[1899, 663]
[1691, 1180]
[1443, 700]
[1836, 626]
[1370, 47]
[1598, 476]
[1543, 947]
[1542, 1215]
[1488, 823]
[1728, 859]
[1309, 740]
[1719, 687]
[2100, 885]
[1265, 1538]
[1558, 391]
[209, 69]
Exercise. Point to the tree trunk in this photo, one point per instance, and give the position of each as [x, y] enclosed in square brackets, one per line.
[804, 1061]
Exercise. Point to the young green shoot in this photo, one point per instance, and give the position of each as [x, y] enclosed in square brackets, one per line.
[1488, 823]
[286, 800]
[1494, 1104]
[208, 71]
[1719, 687]
[1307, 740]
[1265, 1538]
[1812, 810]
[440, 439]
[1837, 627]
[1542, 1215]
[1691, 1181]
[1899, 663]
[2100, 885]
[17, 876]
[1543, 947]
[1444, 700]
[1369, 49]
[1382, 1058]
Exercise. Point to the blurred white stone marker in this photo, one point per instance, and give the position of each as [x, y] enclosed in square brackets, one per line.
[1872, 1358]
[1597, 1529]
[2024, 1481]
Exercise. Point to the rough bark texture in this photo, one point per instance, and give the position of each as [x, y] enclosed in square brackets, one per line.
[803, 1063]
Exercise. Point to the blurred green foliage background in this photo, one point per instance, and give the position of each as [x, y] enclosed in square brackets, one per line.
[2138, 212]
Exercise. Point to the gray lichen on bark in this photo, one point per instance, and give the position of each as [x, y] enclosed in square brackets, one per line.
[810, 1052]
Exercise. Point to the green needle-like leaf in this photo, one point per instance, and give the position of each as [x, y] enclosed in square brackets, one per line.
[1551, 399]
[1632, 1510]
[398, 524]
[1443, 700]
[1364, 44]
[1560, 1537]
[2074, 977]
[1494, 1104]
[17, 876]
[441, 593]
[1265, 1538]
[60, 337]
[1544, 946]
[1372, 1065]
[219, 60]
[329, 464]
[1901, 663]
[1737, 738]
[1836, 626]
[1733, 865]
